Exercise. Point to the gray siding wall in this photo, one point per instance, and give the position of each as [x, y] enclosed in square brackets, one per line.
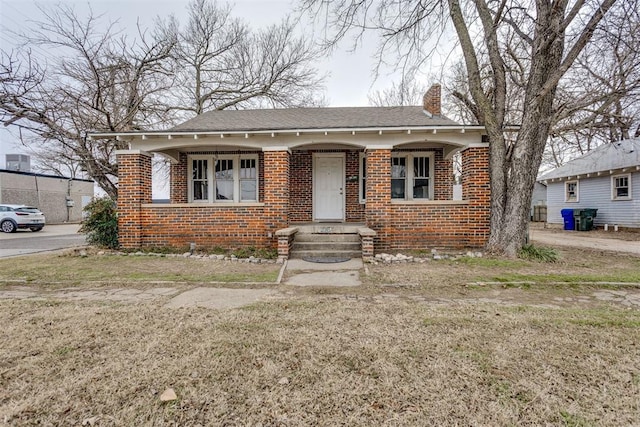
[47, 194]
[596, 193]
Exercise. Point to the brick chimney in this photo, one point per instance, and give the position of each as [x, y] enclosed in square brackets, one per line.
[431, 100]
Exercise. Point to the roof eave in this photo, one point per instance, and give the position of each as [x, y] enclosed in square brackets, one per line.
[592, 174]
[195, 134]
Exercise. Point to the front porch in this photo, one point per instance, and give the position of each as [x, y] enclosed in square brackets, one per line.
[295, 192]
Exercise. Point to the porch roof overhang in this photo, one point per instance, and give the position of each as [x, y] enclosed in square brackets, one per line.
[451, 138]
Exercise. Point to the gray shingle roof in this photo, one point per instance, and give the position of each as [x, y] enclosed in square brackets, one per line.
[617, 155]
[312, 118]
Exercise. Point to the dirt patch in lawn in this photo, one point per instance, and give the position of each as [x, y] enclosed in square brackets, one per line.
[309, 361]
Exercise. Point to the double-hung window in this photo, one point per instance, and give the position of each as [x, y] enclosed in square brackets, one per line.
[249, 179]
[199, 179]
[571, 191]
[621, 187]
[223, 178]
[412, 176]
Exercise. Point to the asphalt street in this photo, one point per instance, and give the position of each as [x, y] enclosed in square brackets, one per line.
[52, 237]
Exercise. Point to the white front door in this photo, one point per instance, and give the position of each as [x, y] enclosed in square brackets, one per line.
[328, 187]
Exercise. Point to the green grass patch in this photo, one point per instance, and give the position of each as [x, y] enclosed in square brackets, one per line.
[539, 253]
[598, 317]
[573, 420]
[622, 277]
[604, 318]
[491, 262]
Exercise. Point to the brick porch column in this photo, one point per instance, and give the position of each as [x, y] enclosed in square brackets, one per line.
[134, 189]
[178, 180]
[476, 189]
[378, 204]
[276, 189]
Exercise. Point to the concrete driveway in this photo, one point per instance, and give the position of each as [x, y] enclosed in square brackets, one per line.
[579, 239]
[52, 237]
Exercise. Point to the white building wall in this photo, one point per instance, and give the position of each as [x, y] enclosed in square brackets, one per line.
[596, 193]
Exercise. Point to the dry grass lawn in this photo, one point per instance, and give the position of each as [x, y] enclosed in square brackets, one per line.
[336, 356]
[54, 270]
[319, 362]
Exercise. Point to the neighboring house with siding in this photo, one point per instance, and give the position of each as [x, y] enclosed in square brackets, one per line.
[607, 179]
[61, 199]
[297, 179]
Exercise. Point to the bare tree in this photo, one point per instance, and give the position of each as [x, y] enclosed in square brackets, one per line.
[97, 80]
[407, 92]
[599, 98]
[533, 41]
[220, 63]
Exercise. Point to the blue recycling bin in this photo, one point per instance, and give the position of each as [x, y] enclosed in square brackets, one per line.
[567, 216]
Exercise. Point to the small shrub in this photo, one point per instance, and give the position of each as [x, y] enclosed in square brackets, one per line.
[538, 253]
[101, 223]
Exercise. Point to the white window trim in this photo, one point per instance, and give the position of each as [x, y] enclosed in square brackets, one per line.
[211, 177]
[613, 186]
[566, 183]
[190, 160]
[408, 183]
[237, 181]
[361, 174]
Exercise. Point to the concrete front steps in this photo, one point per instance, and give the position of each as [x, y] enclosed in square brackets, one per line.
[327, 240]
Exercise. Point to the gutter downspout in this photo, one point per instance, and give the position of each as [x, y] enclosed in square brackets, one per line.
[37, 190]
[67, 200]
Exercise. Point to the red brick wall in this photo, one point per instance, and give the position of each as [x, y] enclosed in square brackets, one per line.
[477, 189]
[443, 177]
[179, 177]
[354, 209]
[208, 226]
[378, 208]
[432, 226]
[301, 182]
[276, 191]
[134, 188]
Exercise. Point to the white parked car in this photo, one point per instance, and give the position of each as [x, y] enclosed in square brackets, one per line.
[13, 217]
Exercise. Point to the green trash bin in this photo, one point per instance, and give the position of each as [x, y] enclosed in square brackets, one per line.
[584, 218]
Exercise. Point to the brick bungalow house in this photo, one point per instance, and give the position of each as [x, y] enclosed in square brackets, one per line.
[272, 178]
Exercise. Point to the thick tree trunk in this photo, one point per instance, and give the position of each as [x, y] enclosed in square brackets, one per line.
[518, 170]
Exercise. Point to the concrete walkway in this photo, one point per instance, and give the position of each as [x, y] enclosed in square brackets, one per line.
[225, 298]
[339, 274]
[213, 298]
[578, 239]
[218, 298]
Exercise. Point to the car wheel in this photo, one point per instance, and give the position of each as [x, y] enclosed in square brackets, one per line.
[8, 226]
[34, 229]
